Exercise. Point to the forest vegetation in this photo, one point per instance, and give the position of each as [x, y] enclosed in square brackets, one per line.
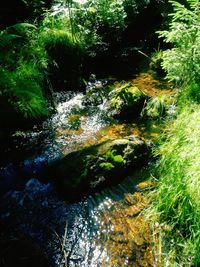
[58, 45]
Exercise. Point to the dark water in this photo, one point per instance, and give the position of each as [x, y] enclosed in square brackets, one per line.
[82, 233]
[70, 234]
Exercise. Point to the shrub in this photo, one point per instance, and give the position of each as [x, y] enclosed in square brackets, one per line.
[190, 93]
[182, 62]
[24, 67]
[94, 22]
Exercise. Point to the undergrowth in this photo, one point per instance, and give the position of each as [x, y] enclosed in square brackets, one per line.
[176, 200]
[23, 70]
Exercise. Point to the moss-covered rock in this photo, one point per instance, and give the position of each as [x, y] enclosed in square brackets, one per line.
[126, 101]
[92, 168]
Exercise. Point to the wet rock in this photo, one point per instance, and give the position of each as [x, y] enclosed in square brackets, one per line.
[97, 166]
[126, 101]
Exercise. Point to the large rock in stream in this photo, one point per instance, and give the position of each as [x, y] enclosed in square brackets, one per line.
[88, 170]
[122, 100]
[126, 101]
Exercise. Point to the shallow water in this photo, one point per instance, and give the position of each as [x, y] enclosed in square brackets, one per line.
[101, 230]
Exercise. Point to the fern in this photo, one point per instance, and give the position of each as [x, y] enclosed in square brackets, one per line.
[182, 62]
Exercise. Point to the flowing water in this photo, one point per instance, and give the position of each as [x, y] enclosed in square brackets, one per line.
[105, 229]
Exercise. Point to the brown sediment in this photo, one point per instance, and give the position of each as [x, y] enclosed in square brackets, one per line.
[147, 130]
[130, 241]
[151, 86]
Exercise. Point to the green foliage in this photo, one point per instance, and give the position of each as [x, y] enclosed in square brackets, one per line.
[106, 166]
[115, 159]
[182, 62]
[110, 13]
[61, 39]
[55, 28]
[22, 29]
[156, 107]
[126, 95]
[110, 160]
[118, 159]
[24, 66]
[177, 198]
[65, 48]
[156, 62]
[129, 95]
[107, 163]
[94, 22]
[23, 90]
[190, 93]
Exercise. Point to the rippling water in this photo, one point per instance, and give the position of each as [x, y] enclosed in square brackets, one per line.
[70, 234]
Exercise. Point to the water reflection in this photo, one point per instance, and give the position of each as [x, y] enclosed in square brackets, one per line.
[106, 229]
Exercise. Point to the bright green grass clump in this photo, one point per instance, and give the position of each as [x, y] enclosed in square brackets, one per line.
[177, 198]
[22, 74]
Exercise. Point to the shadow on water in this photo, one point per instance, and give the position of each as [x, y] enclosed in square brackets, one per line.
[105, 229]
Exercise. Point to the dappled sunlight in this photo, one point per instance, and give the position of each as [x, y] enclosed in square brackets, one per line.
[151, 86]
[99, 136]
[129, 238]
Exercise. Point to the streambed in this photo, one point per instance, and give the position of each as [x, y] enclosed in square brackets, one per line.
[105, 229]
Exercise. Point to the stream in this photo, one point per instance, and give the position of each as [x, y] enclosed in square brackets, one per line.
[105, 229]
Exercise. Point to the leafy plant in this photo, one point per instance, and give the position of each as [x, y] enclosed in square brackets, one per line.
[106, 166]
[190, 93]
[182, 62]
[24, 67]
[156, 107]
[94, 21]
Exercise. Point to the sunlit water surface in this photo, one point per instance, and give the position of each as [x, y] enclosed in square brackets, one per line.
[70, 234]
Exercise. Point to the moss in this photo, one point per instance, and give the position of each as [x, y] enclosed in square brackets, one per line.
[98, 166]
[129, 94]
[106, 166]
[126, 101]
[118, 159]
[74, 121]
[115, 159]
[109, 162]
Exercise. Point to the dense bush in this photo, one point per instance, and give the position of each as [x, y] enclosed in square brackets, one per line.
[182, 62]
[94, 22]
[24, 66]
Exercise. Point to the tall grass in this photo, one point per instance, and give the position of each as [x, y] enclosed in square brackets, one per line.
[177, 198]
[24, 68]
[176, 201]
